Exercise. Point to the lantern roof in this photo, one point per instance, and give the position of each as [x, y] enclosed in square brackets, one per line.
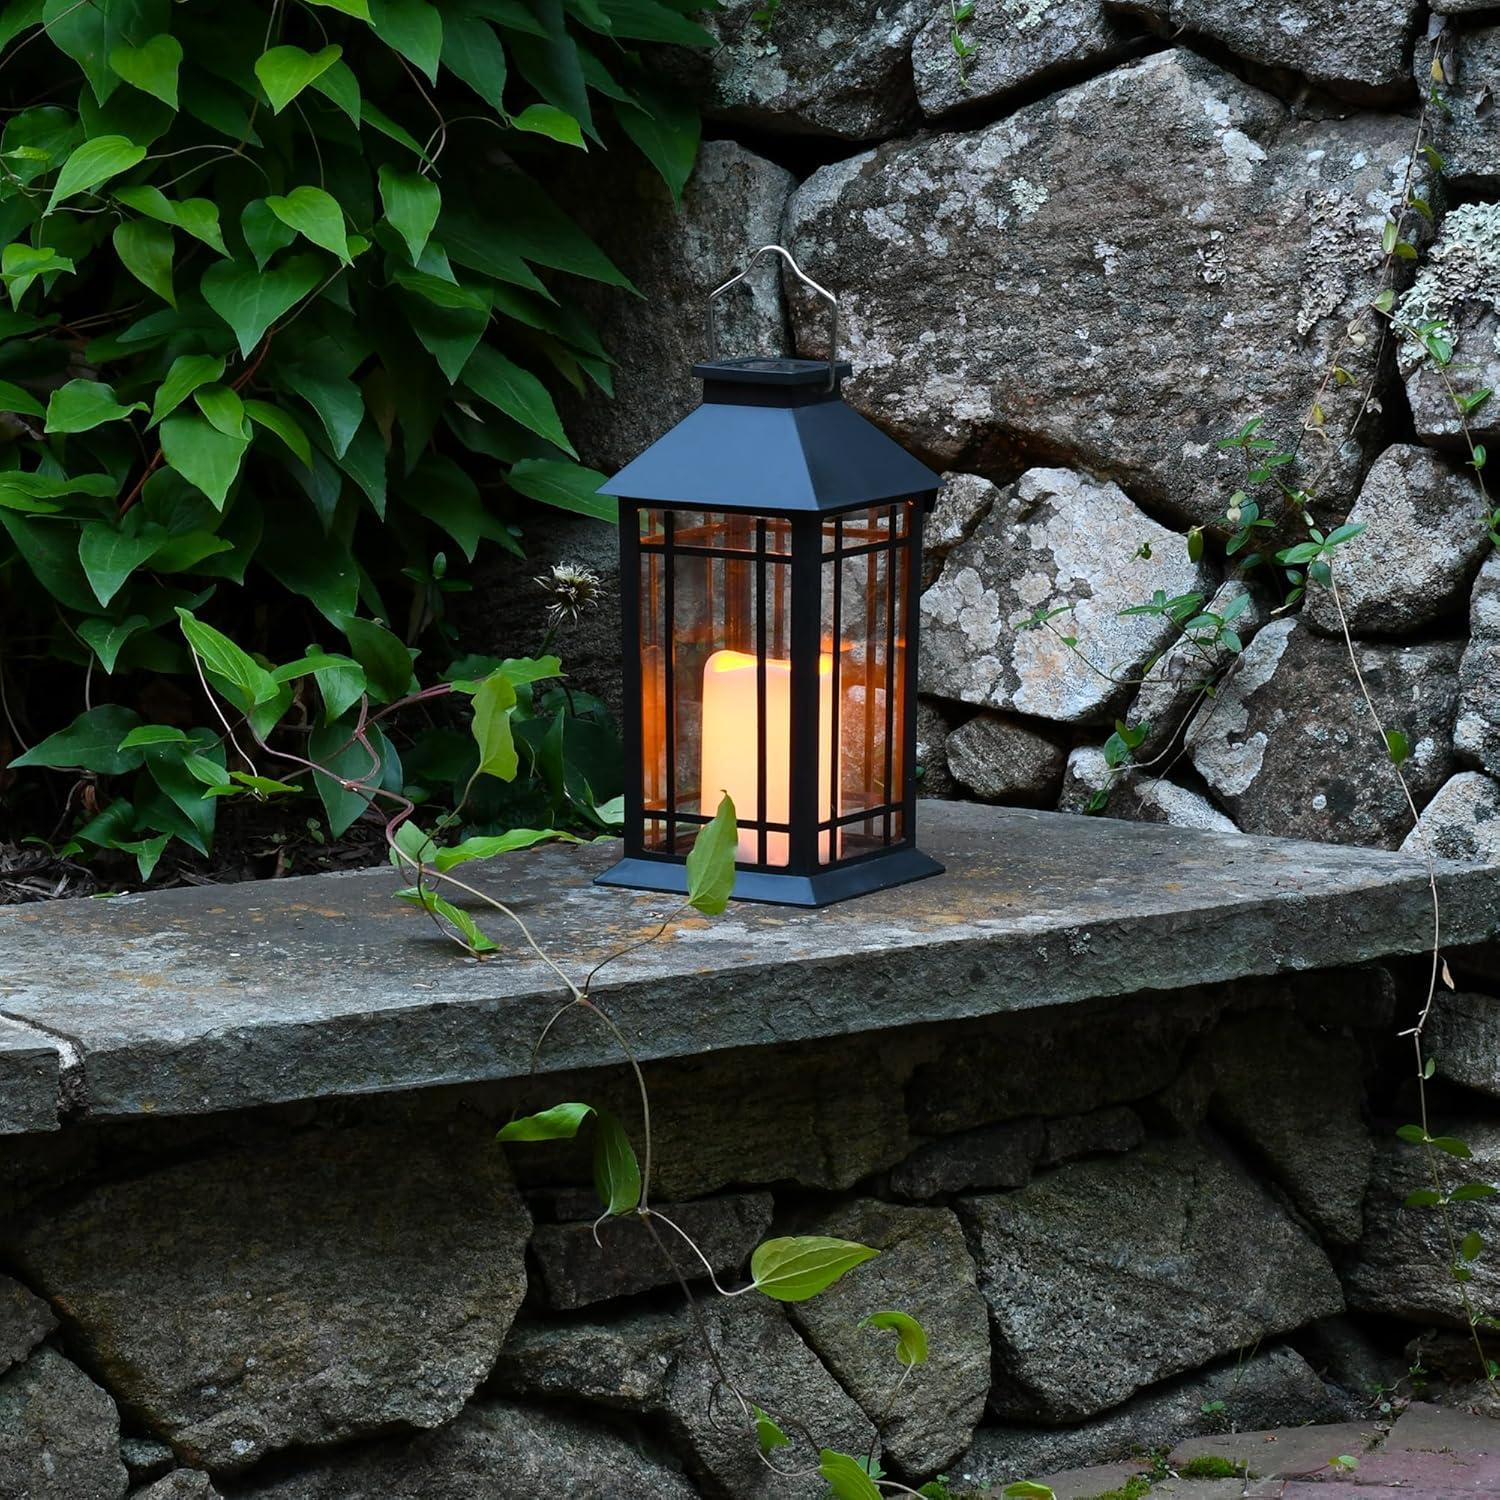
[773, 436]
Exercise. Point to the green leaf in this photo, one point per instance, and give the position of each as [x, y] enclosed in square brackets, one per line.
[223, 408]
[1385, 301]
[90, 743]
[911, 1337]
[846, 1479]
[768, 1435]
[285, 71]
[1413, 1135]
[188, 372]
[110, 555]
[153, 734]
[516, 392]
[359, 9]
[617, 1174]
[1452, 1146]
[666, 132]
[340, 679]
[548, 120]
[412, 203]
[647, 21]
[410, 846]
[14, 399]
[334, 750]
[471, 51]
[475, 939]
[316, 216]
[1472, 1191]
[339, 84]
[81, 405]
[449, 323]
[151, 67]
[386, 661]
[1397, 746]
[487, 846]
[204, 456]
[226, 661]
[283, 424]
[198, 217]
[84, 33]
[560, 1123]
[565, 486]
[796, 1269]
[493, 701]
[710, 863]
[264, 233]
[1471, 1246]
[413, 28]
[106, 638]
[145, 250]
[250, 300]
[1026, 1489]
[92, 163]
[335, 398]
[1423, 1198]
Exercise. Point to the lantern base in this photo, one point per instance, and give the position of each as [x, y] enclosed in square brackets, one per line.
[860, 878]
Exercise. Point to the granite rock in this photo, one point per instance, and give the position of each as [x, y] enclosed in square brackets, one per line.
[1418, 555]
[839, 70]
[963, 500]
[934, 778]
[180, 1484]
[924, 1270]
[1004, 249]
[304, 1294]
[1295, 1098]
[576, 1270]
[1402, 1266]
[1476, 732]
[1356, 48]
[621, 1361]
[1288, 747]
[1107, 1276]
[1465, 132]
[25, 1320]
[1176, 682]
[993, 1073]
[675, 256]
[1465, 1039]
[494, 1449]
[772, 1367]
[994, 1156]
[59, 1434]
[1000, 759]
[1104, 1132]
[1054, 539]
[1022, 44]
[1459, 285]
[1135, 794]
[1271, 1389]
[1461, 822]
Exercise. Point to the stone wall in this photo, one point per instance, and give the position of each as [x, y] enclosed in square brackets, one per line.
[1131, 226]
[1120, 1223]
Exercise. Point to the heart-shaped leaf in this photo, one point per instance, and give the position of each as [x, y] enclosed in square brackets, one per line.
[94, 162]
[151, 67]
[315, 215]
[285, 71]
[796, 1269]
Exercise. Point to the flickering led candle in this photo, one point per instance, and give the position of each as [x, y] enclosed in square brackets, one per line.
[730, 743]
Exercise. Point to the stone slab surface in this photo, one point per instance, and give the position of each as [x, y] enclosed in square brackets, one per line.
[195, 1000]
[30, 1072]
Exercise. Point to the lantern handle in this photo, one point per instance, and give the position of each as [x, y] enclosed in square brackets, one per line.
[805, 279]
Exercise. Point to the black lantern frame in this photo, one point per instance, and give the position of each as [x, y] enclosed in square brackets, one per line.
[770, 565]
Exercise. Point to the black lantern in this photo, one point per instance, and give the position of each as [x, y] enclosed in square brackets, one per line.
[770, 563]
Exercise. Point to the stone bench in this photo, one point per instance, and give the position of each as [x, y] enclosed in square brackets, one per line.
[1099, 1094]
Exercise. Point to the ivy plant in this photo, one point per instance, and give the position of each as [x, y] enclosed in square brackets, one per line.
[288, 302]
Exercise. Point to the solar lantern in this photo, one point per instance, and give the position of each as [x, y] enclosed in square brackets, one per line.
[770, 564]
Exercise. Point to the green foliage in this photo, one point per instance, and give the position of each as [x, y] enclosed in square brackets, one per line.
[710, 863]
[289, 305]
[617, 1174]
[846, 1477]
[798, 1268]
[1211, 1466]
[911, 1337]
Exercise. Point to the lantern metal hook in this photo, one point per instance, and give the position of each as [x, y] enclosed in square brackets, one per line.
[805, 279]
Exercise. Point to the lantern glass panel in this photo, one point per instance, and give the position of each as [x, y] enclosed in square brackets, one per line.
[716, 679]
[866, 587]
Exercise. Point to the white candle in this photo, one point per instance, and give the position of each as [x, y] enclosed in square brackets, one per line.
[730, 742]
